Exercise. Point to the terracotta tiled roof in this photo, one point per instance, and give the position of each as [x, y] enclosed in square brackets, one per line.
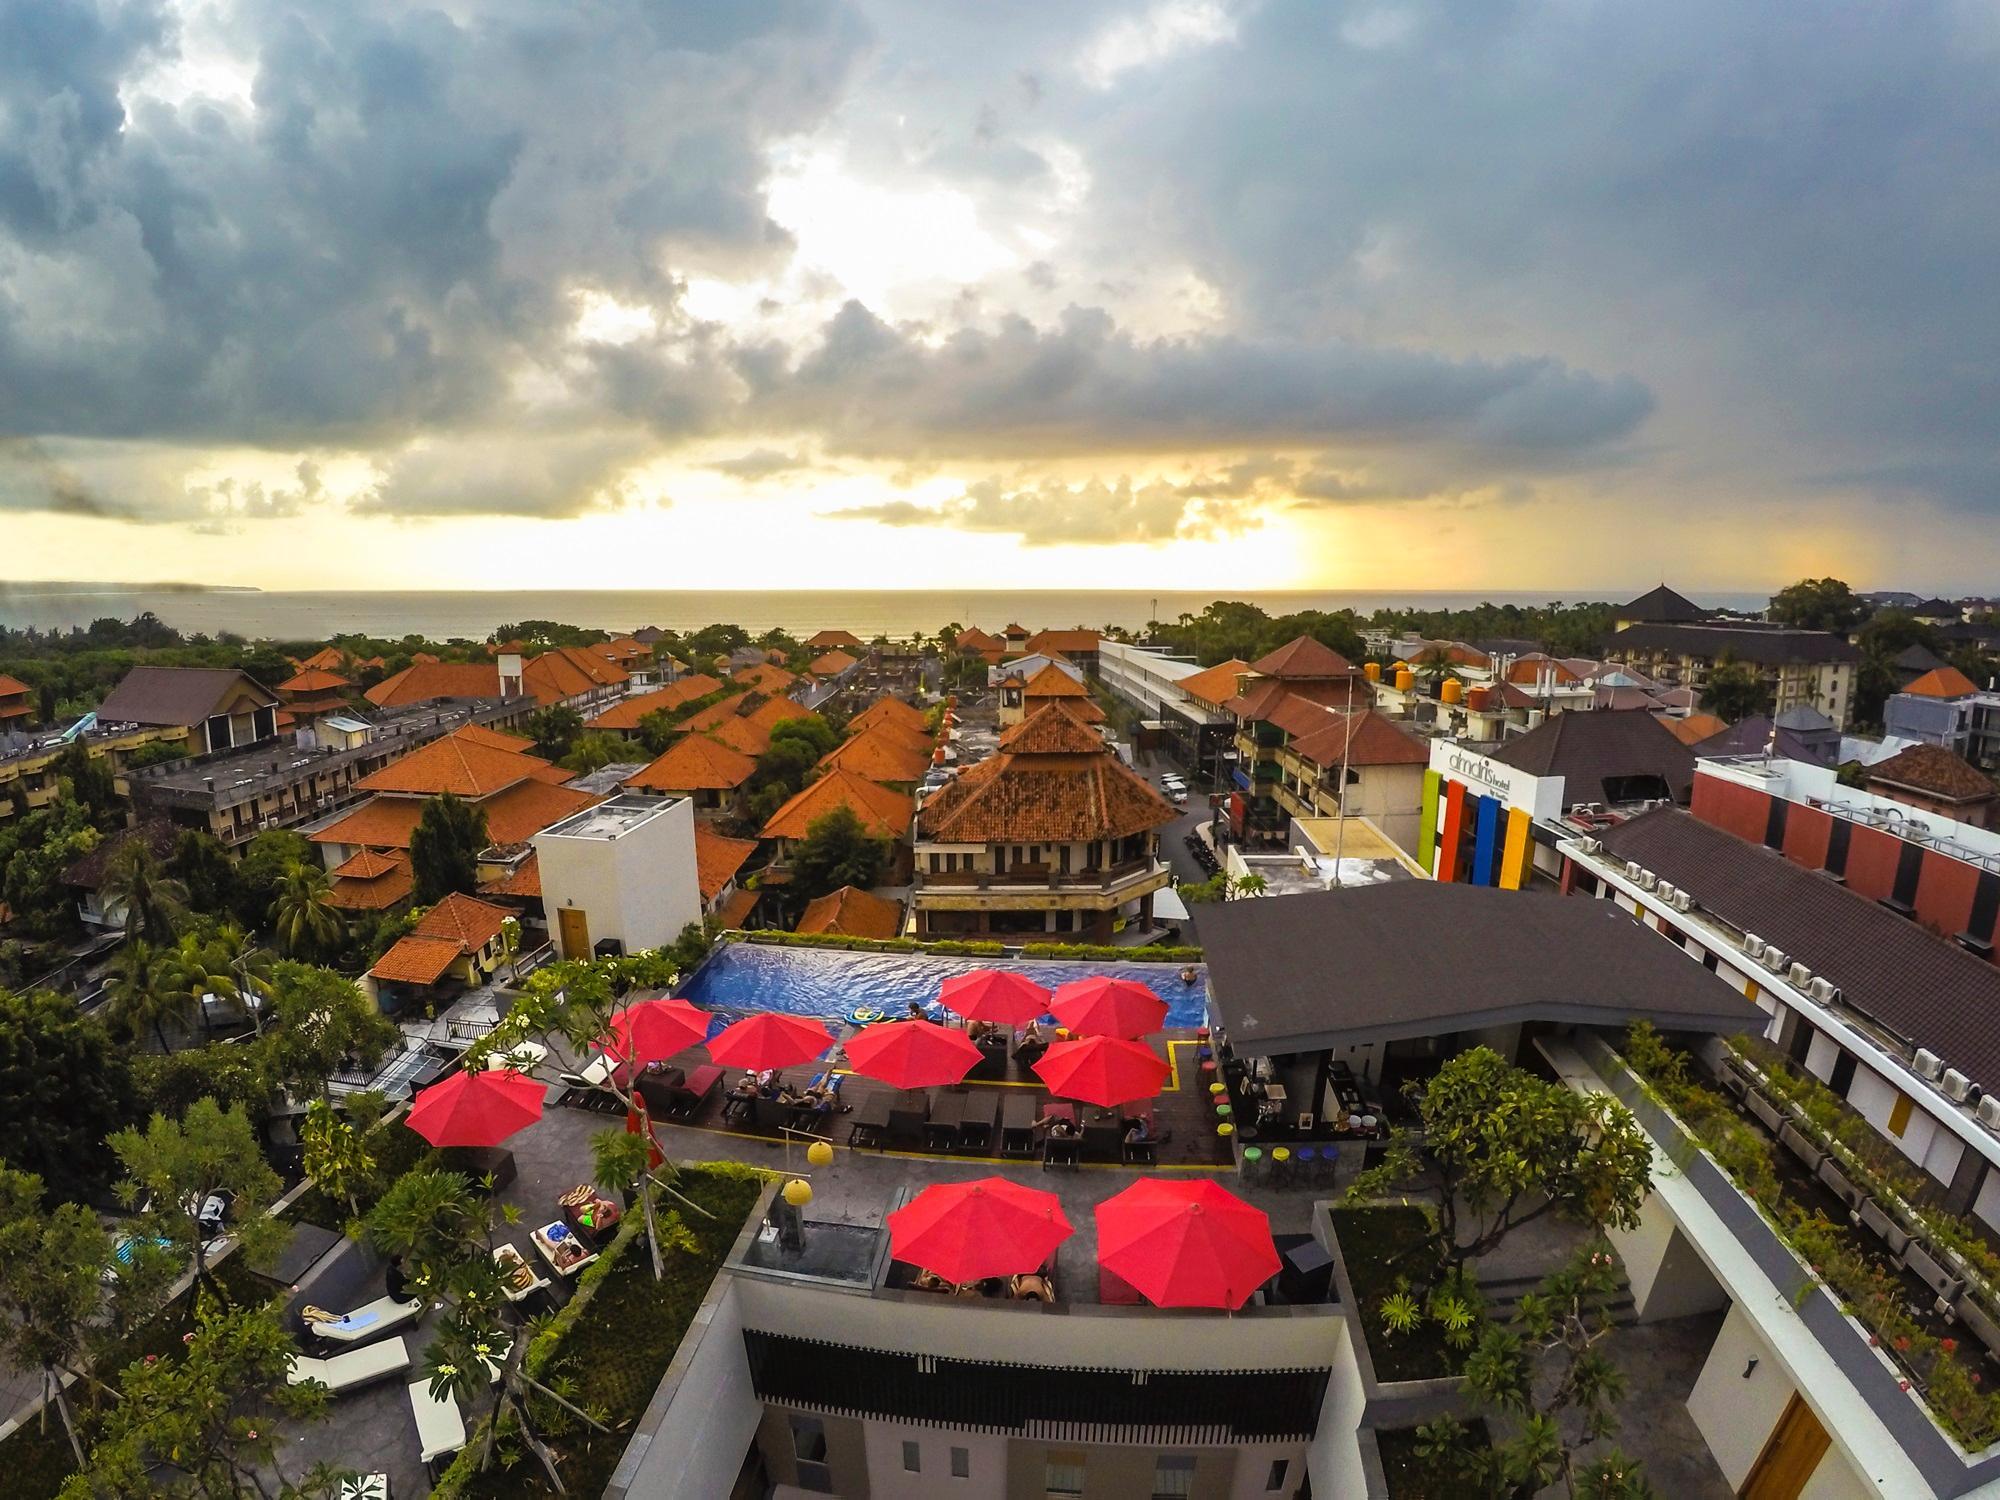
[467, 920]
[1943, 682]
[494, 739]
[853, 912]
[972, 638]
[1063, 640]
[736, 910]
[1528, 671]
[827, 639]
[1259, 699]
[327, 659]
[1377, 741]
[1084, 710]
[444, 679]
[766, 678]
[715, 713]
[886, 711]
[379, 823]
[880, 755]
[553, 775]
[371, 882]
[627, 712]
[568, 672]
[831, 665]
[620, 650]
[883, 813]
[1053, 780]
[1303, 656]
[1695, 728]
[423, 658]
[744, 736]
[1053, 682]
[695, 763]
[524, 881]
[1934, 771]
[465, 766]
[518, 813]
[417, 960]
[311, 680]
[1217, 683]
[717, 859]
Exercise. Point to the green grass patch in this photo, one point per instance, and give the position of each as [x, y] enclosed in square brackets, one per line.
[1379, 1246]
[1408, 1476]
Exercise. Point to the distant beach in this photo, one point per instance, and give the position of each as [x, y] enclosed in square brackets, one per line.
[314, 616]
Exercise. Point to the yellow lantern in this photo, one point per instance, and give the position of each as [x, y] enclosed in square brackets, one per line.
[798, 1192]
[819, 1154]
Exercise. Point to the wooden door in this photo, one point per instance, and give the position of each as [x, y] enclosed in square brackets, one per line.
[1794, 1450]
[573, 926]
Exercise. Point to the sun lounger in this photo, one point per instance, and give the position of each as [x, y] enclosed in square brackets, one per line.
[355, 1368]
[440, 1424]
[368, 1322]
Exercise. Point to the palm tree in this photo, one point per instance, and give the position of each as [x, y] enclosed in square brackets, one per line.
[137, 991]
[191, 971]
[153, 900]
[251, 963]
[302, 915]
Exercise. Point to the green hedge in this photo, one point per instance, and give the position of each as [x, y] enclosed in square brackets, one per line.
[954, 948]
[1148, 953]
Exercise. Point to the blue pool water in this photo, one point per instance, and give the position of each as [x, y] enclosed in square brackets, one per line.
[832, 984]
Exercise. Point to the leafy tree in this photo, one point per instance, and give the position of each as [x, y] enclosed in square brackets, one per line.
[1549, 1374]
[554, 729]
[154, 901]
[206, 872]
[836, 851]
[303, 917]
[90, 782]
[267, 859]
[159, 753]
[63, 1089]
[444, 848]
[321, 1020]
[207, 1422]
[337, 1148]
[53, 1263]
[198, 968]
[175, 1166]
[594, 750]
[1500, 1148]
[35, 851]
[139, 995]
[810, 730]
[1734, 691]
[1818, 604]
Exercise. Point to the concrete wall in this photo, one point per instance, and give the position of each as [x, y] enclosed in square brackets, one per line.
[1122, 1473]
[1334, 1460]
[985, 1453]
[640, 888]
[695, 1445]
[1668, 1278]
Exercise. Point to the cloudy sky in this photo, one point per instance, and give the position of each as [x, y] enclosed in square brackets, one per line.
[1195, 293]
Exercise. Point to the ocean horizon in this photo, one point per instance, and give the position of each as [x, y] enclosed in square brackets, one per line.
[315, 615]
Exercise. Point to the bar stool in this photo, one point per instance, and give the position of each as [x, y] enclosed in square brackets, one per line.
[1218, 1087]
[1223, 1111]
[1305, 1166]
[1281, 1166]
[1225, 1130]
[1253, 1163]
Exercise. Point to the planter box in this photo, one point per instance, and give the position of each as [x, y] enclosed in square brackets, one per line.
[1735, 1082]
[1931, 1271]
[1764, 1110]
[1793, 1140]
[1836, 1179]
[1894, 1235]
[1979, 1323]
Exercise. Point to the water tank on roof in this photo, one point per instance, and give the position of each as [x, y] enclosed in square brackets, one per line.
[1373, 670]
[1404, 678]
[1451, 691]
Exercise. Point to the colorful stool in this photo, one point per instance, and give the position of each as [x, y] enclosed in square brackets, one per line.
[1223, 1111]
[1281, 1165]
[1253, 1163]
[1218, 1087]
[1225, 1130]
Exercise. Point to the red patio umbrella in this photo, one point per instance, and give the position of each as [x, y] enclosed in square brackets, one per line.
[966, 1231]
[997, 995]
[770, 1039]
[656, 1029]
[912, 1054]
[1109, 1007]
[1186, 1244]
[477, 1109]
[1102, 1070]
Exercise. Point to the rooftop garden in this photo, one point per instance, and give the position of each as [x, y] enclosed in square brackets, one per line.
[1851, 1211]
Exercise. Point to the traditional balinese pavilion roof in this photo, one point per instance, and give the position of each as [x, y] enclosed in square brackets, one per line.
[884, 813]
[734, 912]
[695, 763]
[371, 882]
[626, 713]
[438, 679]
[891, 711]
[1662, 606]
[880, 754]
[456, 927]
[717, 858]
[520, 794]
[1609, 756]
[512, 816]
[1052, 780]
[623, 650]
[765, 710]
[1215, 685]
[1341, 968]
[1364, 738]
[853, 912]
[766, 677]
[465, 765]
[1053, 682]
[832, 664]
[1943, 682]
[11, 689]
[1303, 659]
[569, 672]
[493, 739]
[326, 659]
[976, 641]
[828, 640]
[1304, 667]
[1934, 772]
[313, 682]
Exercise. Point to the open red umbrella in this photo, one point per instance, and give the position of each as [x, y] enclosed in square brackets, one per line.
[1102, 1070]
[997, 995]
[912, 1054]
[1186, 1244]
[656, 1029]
[477, 1109]
[770, 1039]
[1109, 1007]
[965, 1231]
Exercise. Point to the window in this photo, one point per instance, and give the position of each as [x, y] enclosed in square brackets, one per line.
[1173, 1476]
[961, 1463]
[1899, 1116]
[809, 1446]
[1064, 1475]
[1276, 1479]
[913, 1459]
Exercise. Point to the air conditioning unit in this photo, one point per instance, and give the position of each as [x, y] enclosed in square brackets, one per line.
[1683, 901]
[1777, 960]
[1633, 870]
[1822, 989]
[1648, 881]
[1956, 1084]
[1929, 1064]
[1753, 946]
[1591, 846]
[1989, 1111]
[1801, 976]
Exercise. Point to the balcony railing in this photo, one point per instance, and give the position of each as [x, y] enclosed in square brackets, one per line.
[1041, 878]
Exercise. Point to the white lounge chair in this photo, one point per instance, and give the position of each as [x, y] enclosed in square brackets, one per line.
[357, 1367]
[440, 1424]
[368, 1322]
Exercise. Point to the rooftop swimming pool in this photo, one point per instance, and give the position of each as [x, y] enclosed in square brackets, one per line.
[834, 984]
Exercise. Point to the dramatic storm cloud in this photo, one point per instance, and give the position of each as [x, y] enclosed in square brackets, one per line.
[1707, 284]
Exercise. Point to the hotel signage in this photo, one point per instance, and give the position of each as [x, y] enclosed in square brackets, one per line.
[1538, 796]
